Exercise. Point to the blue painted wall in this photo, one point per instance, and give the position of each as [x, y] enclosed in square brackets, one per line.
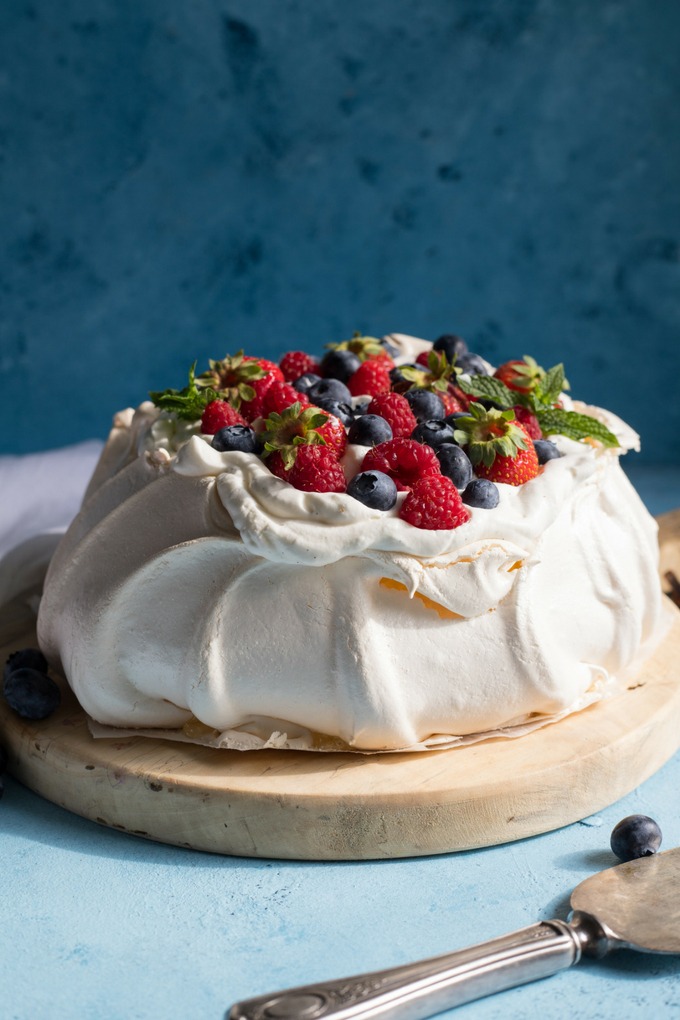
[182, 179]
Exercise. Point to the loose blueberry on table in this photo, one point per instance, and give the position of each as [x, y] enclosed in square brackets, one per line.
[27, 688]
[635, 836]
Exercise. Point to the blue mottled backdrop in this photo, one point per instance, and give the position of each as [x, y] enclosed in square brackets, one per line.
[179, 179]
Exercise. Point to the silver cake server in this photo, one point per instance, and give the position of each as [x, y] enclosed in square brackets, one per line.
[630, 906]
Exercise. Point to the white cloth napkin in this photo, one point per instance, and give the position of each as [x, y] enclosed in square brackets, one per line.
[41, 494]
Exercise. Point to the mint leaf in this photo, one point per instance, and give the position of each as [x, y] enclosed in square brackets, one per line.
[555, 421]
[488, 388]
[189, 403]
[551, 386]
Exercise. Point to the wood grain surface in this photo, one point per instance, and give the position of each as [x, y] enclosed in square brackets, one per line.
[306, 805]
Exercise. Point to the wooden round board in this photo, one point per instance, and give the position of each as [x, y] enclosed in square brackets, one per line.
[307, 805]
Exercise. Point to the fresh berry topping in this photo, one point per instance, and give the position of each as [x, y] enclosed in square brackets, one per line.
[434, 433]
[217, 415]
[545, 450]
[395, 409]
[472, 364]
[399, 380]
[236, 438]
[371, 378]
[334, 434]
[339, 364]
[306, 381]
[482, 493]
[422, 359]
[337, 408]
[293, 364]
[294, 427]
[30, 658]
[369, 430]
[404, 460]
[374, 489]
[434, 503]
[455, 464]
[450, 402]
[529, 421]
[279, 396]
[361, 408]
[451, 345]
[635, 836]
[520, 376]
[242, 380]
[331, 389]
[497, 445]
[365, 348]
[32, 694]
[316, 469]
[425, 404]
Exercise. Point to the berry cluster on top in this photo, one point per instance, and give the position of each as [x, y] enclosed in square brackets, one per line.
[445, 429]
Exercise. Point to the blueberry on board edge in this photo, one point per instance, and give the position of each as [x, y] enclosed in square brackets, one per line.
[31, 694]
[369, 430]
[304, 382]
[481, 493]
[374, 489]
[339, 365]
[453, 346]
[339, 408]
[635, 836]
[472, 364]
[32, 658]
[455, 464]
[425, 404]
[433, 433]
[546, 450]
[330, 389]
[236, 438]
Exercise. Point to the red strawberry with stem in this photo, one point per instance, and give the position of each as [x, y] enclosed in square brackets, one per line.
[522, 376]
[498, 446]
[242, 380]
[287, 431]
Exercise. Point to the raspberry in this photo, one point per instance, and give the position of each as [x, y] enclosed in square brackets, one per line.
[293, 364]
[252, 409]
[280, 395]
[404, 460]
[396, 410]
[317, 469]
[451, 405]
[529, 421]
[217, 415]
[371, 378]
[434, 503]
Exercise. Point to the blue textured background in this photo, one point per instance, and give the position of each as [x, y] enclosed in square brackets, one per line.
[182, 179]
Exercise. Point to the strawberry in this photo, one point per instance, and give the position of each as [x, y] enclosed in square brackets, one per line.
[520, 376]
[530, 422]
[434, 503]
[422, 358]
[280, 395]
[217, 415]
[498, 446]
[242, 380]
[293, 364]
[371, 378]
[334, 433]
[451, 404]
[317, 469]
[396, 411]
[288, 431]
[365, 347]
[404, 460]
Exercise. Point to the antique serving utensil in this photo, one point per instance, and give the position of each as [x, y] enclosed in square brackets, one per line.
[631, 906]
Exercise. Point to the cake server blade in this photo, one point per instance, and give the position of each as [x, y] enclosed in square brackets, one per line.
[631, 906]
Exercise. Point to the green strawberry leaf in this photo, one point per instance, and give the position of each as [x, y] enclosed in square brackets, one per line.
[189, 403]
[555, 421]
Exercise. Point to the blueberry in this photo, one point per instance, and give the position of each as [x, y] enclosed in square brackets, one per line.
[369, 430]
[339, 408]
[333, 389]
[545, 450]
[32, 694]
[304, 382]
[481, 493]
[374, 489]
[453, 346]
[239, 438]
[635, 836]
[472, 364]
[455, 464]
[425, 404]
[433, 432]
[339, 365]
[360, 409]
[397, 376]
[389, 348]
[32, 658]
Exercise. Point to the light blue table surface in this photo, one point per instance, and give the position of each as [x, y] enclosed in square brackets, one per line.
[98, 924]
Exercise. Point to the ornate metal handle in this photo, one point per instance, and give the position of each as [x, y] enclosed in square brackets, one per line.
[420, 990]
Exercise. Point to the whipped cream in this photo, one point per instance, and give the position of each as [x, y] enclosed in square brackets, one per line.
[196, 585]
